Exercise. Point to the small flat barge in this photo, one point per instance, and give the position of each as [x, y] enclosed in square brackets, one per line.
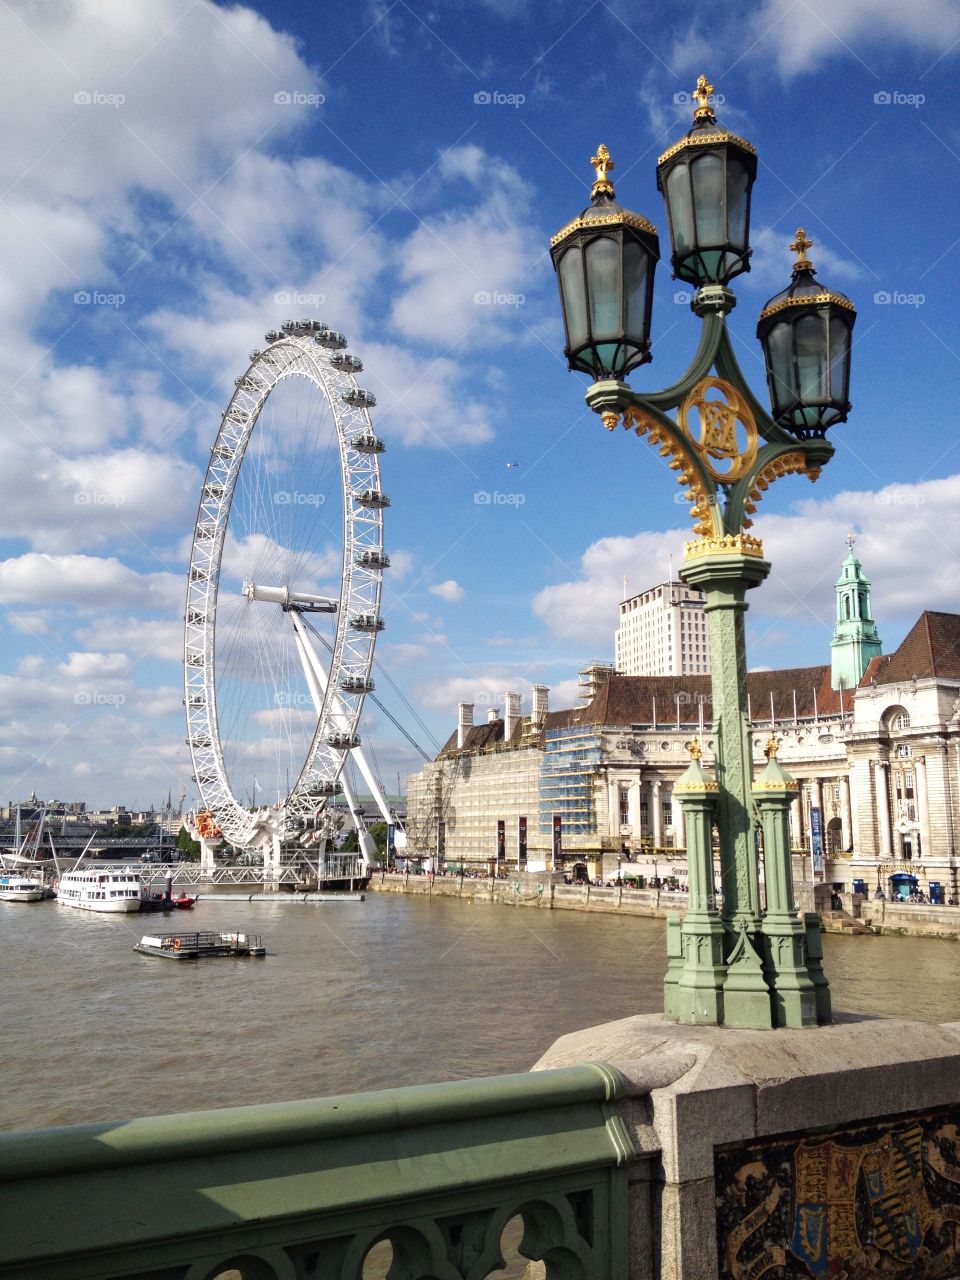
[198, 946]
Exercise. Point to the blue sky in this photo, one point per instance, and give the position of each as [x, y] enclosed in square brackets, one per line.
[175, 172]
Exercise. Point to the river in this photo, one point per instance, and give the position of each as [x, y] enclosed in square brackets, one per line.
[351, 996]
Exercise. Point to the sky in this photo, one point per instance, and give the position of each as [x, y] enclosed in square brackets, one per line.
[180, 176]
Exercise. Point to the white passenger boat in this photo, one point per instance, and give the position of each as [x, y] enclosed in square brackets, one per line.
[100, 889]
[14, 888]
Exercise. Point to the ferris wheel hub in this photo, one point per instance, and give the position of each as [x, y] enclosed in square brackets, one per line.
[302, 601]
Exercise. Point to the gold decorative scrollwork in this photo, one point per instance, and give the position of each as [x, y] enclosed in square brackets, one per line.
[680, 459]
[787, 464]
[718, 428]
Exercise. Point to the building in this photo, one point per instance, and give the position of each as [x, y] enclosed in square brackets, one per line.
[878, 766]
[663, 632]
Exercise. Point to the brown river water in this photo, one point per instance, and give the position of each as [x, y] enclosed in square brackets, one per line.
[351, 996]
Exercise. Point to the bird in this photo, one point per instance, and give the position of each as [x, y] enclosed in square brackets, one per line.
[513, 464]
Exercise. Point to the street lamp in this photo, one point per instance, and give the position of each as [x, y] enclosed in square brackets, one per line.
[752, 963]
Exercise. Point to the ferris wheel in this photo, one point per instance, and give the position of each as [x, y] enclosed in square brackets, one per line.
[283, 592]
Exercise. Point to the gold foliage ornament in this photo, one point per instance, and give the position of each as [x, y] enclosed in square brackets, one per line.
[680, 459]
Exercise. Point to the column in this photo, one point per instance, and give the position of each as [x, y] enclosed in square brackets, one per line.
[633, 811]
[845, 812]
[679, 828]
[816, 802]
[613, 804]
[796, 822]
[656, 814]
[923, 807]
[883, 810]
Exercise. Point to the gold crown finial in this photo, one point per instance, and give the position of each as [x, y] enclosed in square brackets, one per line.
[771, 749]
[603, 164]
[704, 113]
[800, 247]
[851, 539]
[695, 750]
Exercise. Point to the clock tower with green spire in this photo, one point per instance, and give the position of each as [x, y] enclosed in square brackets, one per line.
[855, 640]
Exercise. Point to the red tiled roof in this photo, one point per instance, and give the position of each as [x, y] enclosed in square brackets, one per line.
[930, 648]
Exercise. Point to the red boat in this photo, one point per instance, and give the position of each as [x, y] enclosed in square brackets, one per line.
[183, 903]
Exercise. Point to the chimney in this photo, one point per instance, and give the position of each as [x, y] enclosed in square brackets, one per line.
[511, 715]
[464, 722]
[493, 713]
[538, 711]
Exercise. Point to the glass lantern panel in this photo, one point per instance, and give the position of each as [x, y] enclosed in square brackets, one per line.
[839, 359]
[737, 181]
[573, 296]
[706, 174]
[602, 259]
[679, 206]
[780, 349]
[810, 344]
[635, 288]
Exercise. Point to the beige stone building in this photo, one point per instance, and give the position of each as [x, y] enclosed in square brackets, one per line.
[591, 787]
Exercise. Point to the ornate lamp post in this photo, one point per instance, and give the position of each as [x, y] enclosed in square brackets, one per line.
[754, 962]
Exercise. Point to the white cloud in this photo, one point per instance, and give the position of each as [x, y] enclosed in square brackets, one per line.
[89, 582]
[902, 530]
[802, 35]
[451, 591]
[460, 270]
[586, 610]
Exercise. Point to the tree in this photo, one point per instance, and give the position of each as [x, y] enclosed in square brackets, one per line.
[189, 848]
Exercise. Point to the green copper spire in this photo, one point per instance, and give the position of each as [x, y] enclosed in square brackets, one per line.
[855, 640]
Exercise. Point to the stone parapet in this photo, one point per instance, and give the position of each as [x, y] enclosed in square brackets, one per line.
[747, 1122]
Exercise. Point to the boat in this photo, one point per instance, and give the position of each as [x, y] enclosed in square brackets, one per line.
[166, 901]
[199, 946]
[100, 889]
[16, 888]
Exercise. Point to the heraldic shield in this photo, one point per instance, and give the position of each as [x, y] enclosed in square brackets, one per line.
[825, 1220]
[899, 1207]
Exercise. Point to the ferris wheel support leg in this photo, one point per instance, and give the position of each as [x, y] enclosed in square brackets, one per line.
[271, 861]
[206, 858]
[316, 682]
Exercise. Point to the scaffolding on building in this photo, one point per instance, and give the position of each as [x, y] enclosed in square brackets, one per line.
[567, 779]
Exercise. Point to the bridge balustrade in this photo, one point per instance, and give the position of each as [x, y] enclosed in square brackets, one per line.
[293, 1190]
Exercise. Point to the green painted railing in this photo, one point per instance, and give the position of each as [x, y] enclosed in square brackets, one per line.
[298, 1190]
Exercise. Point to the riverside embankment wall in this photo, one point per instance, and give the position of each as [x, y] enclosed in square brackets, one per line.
[528, 892]
[906, 919]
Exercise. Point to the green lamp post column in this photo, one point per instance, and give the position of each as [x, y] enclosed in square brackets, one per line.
[693, 987]
[800, 993]
[725, 450]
